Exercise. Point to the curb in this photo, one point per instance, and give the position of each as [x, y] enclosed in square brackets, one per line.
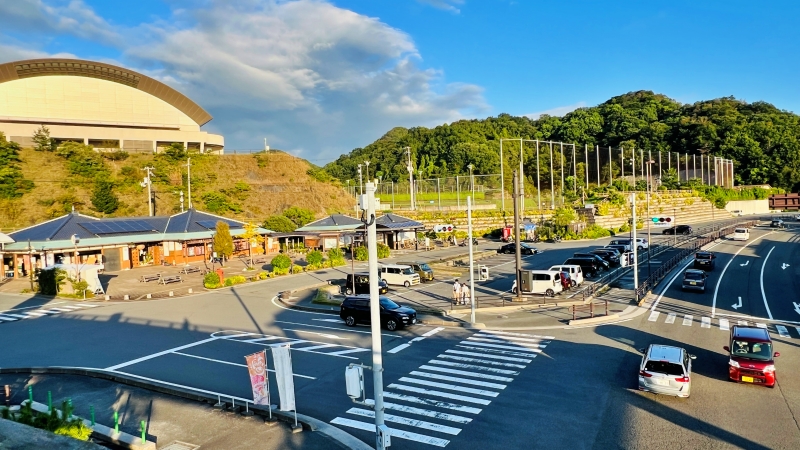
[593, 320]
[341, 438]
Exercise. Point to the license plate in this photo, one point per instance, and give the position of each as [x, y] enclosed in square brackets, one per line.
[693, 283]
[661, 382]
[747, 379]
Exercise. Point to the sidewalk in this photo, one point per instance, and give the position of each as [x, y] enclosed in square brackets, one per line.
[169, 419]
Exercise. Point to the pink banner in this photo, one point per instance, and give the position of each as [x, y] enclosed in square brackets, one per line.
[257, 367]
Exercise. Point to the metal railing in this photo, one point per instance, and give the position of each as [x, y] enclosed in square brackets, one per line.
[575, 309]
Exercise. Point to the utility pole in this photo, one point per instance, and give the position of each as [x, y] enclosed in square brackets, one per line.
[517, 251]
[148, 182]
[561, 164]
[633, 247]
[552, 184]
[471, 263]
[360, 181]
[538, 179]
[410, 169]
[521, 180]
[189, 179]
[375, 317]
[502, 181]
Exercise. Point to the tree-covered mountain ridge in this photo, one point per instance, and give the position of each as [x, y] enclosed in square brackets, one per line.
[762, 140]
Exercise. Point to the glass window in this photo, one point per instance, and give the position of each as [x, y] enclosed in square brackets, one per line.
[692, 276]
[761, 351]
[388, 304]
[703, 256]
[408, 271]
[665, 367]
[425, 267]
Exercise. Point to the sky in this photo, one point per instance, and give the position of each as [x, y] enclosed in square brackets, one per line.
[319, 78]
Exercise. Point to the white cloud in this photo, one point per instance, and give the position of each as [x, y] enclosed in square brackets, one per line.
[447, 5]
[69, 17]
[558, 111]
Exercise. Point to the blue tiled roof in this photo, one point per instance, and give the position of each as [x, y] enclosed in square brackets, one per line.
[393, 221]
[334, 222]
[57, 229]
[189, 222]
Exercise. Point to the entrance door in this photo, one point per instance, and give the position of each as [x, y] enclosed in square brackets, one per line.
[112, 258]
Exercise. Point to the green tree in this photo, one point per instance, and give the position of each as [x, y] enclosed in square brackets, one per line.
[103, 198]
[563, 217]
[281, 261]
[300, 216]
[41, 140]
[12, 182]
[223, 241]
[175, 152]
[255, 240]
[279, 223]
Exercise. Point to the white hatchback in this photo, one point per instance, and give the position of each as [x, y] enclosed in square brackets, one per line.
[741, 234]
[666, 370]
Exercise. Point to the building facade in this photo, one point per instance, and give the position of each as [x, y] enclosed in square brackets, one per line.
[98, 104]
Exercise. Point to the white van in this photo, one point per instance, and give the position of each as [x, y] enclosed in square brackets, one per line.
[741, 234]
[545, 282]
[398, 274]
[575, 273]
[624, 242]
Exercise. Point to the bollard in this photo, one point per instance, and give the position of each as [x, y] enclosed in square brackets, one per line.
[91, 413]
[108, 297]
[8, 395]
[116, 422]
[50, 401]
[30, 394]
[143, 431]
[171, 294]
[190, 290]
[69, 405]
[149, 295]
[126, 297]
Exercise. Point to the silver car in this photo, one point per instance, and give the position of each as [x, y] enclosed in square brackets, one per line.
[666, 370]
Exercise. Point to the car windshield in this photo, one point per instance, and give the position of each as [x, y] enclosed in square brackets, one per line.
[425, 267]
[665, 367]
[408, 271]
[702, 256]
[760, 351]
[388, 304]
[692, 276]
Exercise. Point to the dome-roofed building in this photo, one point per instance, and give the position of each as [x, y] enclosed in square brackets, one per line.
[99, 104]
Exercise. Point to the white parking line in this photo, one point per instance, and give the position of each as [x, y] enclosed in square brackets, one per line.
[670, 318]
[724, 325]
[687, 320]
[432, 402]
[406, 421]
[465, 373]
[743, 323]
[463, 398]
[798, 329]
[7, 318]
[653, 316]
[705, 322]
[422, 412]
[483, 355]
[782, 331]
[436, 376]
[395, 433]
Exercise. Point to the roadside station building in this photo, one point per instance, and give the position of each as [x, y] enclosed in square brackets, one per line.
[119, 243]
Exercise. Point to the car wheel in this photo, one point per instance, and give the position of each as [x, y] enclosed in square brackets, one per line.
[391, 324]
[573, 283]
[407, 284]
[348, 291]
[549, 293]
[350, 321]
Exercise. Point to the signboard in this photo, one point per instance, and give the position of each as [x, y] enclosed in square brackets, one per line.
[663, 221]
[257, 368]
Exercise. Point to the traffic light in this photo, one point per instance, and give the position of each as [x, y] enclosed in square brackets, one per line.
[664, 221]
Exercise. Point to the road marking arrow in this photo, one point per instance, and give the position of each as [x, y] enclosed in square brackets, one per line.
[739, 305]
[796, 307]
[746, 263]
[784, 266]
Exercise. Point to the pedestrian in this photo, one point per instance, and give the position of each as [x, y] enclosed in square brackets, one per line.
[465, 293]
[456, 292]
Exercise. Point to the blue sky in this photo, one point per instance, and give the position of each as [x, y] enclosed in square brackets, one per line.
[319, 78]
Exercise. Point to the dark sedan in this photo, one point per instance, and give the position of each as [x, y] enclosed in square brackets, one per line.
[524, 249]
[609, 255]
[600, 261]
[680, 229]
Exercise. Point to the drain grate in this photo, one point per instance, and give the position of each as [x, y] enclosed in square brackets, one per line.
[178, 445]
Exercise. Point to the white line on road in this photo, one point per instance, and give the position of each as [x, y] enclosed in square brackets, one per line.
[465, 373]
[436, 376]
[156, 355]
[653, 316]
[510, 338]
[471, 366]
[329, 320]
[761, 279]
[499, 352]
[449, 386]
[432, 402]
[317, 347]
[782, 331]
[35, 314]
[483, 355]
[7, 318]
[204, 391]
[724, 325]
[498, 341]
[798, 329]
[421, 412]
[463, 398]
[721, 275]
[406, 421]
[30, 307]
[232, 363]
[705, 322]
[344, 352]
[670, 318]
[505, 333]
[395, 433]
[333, 328]
[399, 348]
[506, 347]
[672, 280]
[325, 335]
[433, 331]
[687, 320]
[482, 361]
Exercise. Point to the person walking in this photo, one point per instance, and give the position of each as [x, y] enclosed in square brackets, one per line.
[456, 292]
[465, 293]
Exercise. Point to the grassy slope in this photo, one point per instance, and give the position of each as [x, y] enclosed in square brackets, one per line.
[277, 181]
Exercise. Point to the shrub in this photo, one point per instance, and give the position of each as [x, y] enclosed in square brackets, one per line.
[281, 262]
[79, 286]
[75, 429]
[314, 258]
[594, 232]
[211, 280]
[50, 281]
[336, 257]
[624, 228]
[383, 251]
[263, 275]
[234, 280]
[279, 223]
[281, 271]
[361, 253]
[311, 267]
[297, 269]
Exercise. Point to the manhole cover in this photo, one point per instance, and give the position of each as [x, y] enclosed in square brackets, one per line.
[178, 445]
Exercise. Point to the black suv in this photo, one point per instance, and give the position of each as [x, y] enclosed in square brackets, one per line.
[355, 309]
[680, 229]
[704, 260]
[610, 255]
[600, 261]
[777, 223]
[589, 266]
[362, 284]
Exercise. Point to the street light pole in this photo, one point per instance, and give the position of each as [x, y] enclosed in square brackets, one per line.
[633, 247]
[367, 169]
[471, 262]
[517, 250]
[75, 241]
[649, 216]
[502, 181]
[538, 179]
[360, 181]
[471, 181]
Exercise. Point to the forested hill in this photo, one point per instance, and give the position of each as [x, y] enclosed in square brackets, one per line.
[762, 140]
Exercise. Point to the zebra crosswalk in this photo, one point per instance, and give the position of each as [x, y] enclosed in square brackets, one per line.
[722, 323]
[31, 313]
[302, 345]
[435, 401]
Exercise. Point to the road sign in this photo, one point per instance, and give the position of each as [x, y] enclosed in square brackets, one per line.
[663, 221]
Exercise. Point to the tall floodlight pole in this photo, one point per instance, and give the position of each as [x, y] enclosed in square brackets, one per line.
[517, 251]
[521, 179]
[687, 166]
[502, 180]
[649, 216]
[634, 247]
[669, 161]
[360, 181]
[538, 179]
[410, 169]
[622, 162]
[597, 151]
[471, 181]
[694, 166]
[574, 172]
[552, 187]
[702, 172]
[367, 169]
[471, 263]
[610, 171]
[375, 312]
[189, 179]
[586, 164]
[561, 164]
[641, 158]
[633, 167]
[659, 164]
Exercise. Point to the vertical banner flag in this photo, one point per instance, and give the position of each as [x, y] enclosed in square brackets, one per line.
[284, 377]
[257, 367]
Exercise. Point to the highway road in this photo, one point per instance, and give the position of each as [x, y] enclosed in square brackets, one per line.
[456, 387]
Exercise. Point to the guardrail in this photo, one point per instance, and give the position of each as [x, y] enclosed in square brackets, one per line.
[575, 309]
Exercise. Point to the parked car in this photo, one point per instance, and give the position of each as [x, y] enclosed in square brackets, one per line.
[362, 284]
[666, 370]
[609, 255]
[566, 281]
[575, 273]
[421, 268]
[777, 223]
[694, 279]
[623, 242]
[704, 260]
[741, 234]
[546, 282]
[589, 266]
[398, 274]
[641, 243]
[603, 263]
[524, 249]
[751, 357]
[680, 229]
[355, 310]
[619, 248]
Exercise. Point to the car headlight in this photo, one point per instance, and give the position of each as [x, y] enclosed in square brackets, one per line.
[733, 364]
[769, 368]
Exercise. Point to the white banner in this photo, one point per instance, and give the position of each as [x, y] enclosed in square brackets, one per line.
[282, 358]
